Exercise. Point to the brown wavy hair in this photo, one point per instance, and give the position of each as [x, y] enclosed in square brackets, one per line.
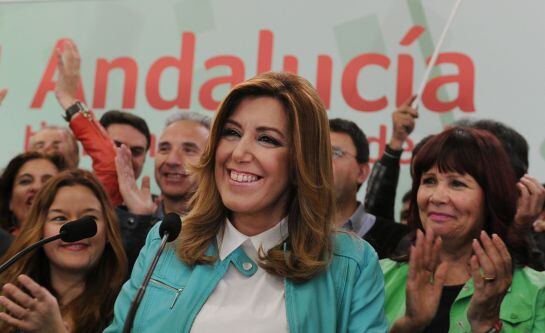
[481, 155]
[308, 248]
[91, 311]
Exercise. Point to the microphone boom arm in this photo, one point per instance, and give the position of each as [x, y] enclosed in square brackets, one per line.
[140, 294]
[16, 257]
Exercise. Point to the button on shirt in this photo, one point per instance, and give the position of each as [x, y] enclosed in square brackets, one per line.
[360, 222]
[248, 301]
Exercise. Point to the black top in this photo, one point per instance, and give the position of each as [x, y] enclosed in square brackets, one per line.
[386, 237]
[382, 184]
[441, 322]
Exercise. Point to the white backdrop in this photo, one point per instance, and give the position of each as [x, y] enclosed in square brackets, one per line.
[359, 54]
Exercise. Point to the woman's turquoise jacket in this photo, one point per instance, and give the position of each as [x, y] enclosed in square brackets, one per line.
[347, 297]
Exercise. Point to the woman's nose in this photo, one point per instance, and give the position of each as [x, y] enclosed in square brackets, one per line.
[242, 151]
[439, 195]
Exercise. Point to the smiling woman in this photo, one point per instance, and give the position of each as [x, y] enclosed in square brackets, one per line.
[258, 251]
[252, 170]
[467, 272]
[64, 287]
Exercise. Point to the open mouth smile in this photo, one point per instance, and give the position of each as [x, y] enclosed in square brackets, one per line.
[243, 177]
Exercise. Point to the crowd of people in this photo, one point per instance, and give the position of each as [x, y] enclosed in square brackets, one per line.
[273, 236]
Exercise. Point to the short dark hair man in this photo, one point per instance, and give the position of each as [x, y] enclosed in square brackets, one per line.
[350, 170]
[132, 131]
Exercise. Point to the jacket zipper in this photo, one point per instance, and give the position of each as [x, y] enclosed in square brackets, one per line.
[178, 291]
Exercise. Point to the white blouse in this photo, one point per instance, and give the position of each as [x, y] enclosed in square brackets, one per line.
[241, 303]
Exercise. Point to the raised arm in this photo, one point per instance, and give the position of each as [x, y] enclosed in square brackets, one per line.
[382, 183]
[86, 128]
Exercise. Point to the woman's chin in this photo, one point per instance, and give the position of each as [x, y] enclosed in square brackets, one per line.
[441, 230]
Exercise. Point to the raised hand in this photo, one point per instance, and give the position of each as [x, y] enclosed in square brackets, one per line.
[530, 202]
[403, 122]
[35, 312]
[492, 273]
[424, 284]
[66, 89]
[137, 200]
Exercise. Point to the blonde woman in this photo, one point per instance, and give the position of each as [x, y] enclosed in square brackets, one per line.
[257, 251]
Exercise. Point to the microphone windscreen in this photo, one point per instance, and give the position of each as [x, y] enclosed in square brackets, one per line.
[171, 224]
[79, 229]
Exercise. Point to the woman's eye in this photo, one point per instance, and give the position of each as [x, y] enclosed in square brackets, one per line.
[269, 140]
[59, 218]
[428, 180]
[457, 183]
[24, 181]
[230, 132]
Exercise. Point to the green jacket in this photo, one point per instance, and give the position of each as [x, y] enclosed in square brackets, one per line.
[347, 297]
[522, 310]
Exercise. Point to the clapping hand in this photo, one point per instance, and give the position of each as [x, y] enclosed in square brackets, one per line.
[33, 311]
[424, 283]
[137, 200]
[492, 273]
[530, 202]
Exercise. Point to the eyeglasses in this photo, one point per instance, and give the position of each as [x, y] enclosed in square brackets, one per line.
[337, 152]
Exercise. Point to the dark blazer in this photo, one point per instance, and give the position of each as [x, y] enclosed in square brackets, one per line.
[388, 237]
[134, 230]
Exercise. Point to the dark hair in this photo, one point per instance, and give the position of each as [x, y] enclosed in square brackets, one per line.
[480, 154]
[512, 141]
[359, 139]
[417, 148]
[92, 310]
[121, 117]
[406, 197]
[7, 181]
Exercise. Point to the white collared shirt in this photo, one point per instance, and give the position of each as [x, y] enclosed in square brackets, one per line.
[242, 303]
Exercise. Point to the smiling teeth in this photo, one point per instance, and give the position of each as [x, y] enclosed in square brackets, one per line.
[174, 175]
[242, 177]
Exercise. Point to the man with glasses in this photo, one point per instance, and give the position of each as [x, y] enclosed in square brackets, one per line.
[350, 152]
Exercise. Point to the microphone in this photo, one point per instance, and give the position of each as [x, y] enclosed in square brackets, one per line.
[72, 231]
[79, 229]
[168, 230]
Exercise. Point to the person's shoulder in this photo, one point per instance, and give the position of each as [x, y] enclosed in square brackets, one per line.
[525, 297]
[154, 231]
[153, 239]
[391, 265]
[350, 246]
[394, 270]
[527, 277]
